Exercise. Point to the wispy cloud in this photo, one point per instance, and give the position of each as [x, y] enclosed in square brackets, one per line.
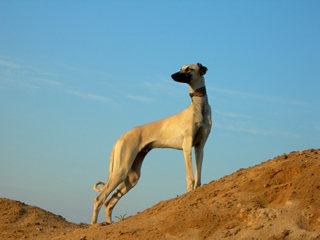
[32, 78]
[16, 69]
[232, 115]
[139, 98]
[19, 75]
[265, 98]
[4, 81]
[154, 85]
[9, 64]
[257, 131]
[47, 81]
[90, 96]
[164, 85]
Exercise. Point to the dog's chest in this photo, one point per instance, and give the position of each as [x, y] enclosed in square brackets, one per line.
[202, 121]
[201, 115]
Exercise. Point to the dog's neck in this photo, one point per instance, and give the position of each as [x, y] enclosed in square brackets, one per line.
[200, 92]
[199, 103]
[197, 88]
[199, 98]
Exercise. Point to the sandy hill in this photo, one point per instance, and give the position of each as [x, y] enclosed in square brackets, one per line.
[277, 199]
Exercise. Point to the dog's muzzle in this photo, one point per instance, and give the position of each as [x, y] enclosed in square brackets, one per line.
[181, 77]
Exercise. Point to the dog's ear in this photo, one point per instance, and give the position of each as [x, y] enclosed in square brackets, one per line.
[202, 69]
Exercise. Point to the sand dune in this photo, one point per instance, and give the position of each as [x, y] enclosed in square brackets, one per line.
[277, 199]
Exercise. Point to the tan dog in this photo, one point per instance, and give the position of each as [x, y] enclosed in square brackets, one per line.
[187, 129]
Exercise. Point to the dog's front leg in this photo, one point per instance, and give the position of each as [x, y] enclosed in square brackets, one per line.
[198, 150]
[187, 146]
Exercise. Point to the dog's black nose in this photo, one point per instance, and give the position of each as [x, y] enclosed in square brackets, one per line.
[175, 77]
[181, 77]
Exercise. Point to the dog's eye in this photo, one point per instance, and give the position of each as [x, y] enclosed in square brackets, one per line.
[188, 69]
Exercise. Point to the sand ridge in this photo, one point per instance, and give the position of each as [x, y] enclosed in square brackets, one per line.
[277, 199]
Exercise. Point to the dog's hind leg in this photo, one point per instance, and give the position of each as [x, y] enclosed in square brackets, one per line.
[113, 181]
[111, 184]
[126, 185]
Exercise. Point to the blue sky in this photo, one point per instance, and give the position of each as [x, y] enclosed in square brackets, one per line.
[75, 75]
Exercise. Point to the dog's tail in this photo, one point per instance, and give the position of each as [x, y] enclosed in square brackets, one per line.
[96, 188]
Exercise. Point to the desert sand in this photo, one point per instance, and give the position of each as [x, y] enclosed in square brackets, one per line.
[277, 199]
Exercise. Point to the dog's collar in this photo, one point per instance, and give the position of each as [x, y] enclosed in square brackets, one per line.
[200, 92]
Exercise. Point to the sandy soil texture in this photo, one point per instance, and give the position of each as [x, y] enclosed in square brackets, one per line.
[277, 199]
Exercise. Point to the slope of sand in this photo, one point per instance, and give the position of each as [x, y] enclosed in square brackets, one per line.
[277, 199]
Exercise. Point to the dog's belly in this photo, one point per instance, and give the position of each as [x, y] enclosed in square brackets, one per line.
[170, 143]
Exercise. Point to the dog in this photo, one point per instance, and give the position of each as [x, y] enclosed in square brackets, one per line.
[187, 129]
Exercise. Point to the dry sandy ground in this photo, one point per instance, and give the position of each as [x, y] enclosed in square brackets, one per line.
[277, 199]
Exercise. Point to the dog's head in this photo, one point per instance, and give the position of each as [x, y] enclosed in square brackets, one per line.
[189, 72]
